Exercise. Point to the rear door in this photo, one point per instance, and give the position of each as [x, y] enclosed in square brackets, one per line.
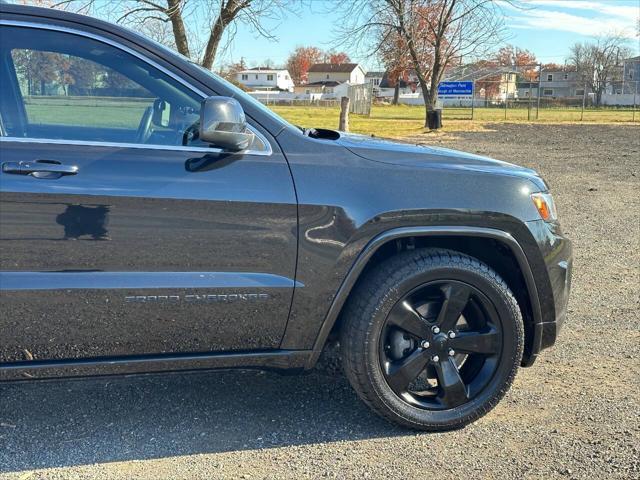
[120, 233]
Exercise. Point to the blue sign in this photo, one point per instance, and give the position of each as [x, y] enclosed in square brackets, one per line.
[455, 88]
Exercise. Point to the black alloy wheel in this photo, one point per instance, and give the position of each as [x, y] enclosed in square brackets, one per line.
[431, 339]
[440, 345]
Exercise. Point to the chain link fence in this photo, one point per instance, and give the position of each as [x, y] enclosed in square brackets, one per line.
[550, 100]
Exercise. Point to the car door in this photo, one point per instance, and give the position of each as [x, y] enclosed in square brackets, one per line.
[120, 233]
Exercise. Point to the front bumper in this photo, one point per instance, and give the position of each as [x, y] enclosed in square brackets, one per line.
[553, 283]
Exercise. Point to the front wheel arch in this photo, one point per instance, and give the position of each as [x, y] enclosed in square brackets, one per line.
[497, 248]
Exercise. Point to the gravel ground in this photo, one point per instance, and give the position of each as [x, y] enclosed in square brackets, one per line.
[574, 414]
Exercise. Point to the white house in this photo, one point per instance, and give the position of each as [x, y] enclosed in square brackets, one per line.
[329, 72]
[261, 78]
[328, 89]
[374, 78]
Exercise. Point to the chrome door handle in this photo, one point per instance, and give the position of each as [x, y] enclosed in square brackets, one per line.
[40, 169]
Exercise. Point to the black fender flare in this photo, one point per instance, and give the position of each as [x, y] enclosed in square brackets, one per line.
[431, 231]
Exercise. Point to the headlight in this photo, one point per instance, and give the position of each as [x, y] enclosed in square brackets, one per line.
[545, 206]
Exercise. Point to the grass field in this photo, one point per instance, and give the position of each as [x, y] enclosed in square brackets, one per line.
[387, 121]
[402, 120]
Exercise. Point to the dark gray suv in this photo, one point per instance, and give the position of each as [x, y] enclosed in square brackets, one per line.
[155, 218]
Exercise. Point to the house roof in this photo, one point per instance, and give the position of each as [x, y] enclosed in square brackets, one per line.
[263, 70]
[375, 74]
[327, 83]
[632, 59]
[333, 67]
[564, 69]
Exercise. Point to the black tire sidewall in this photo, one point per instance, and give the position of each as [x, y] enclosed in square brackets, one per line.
[510, 357]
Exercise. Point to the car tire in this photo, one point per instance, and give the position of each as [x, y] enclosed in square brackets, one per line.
[402, 318]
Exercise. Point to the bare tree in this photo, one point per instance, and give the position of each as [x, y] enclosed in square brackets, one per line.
[219, 17]
[436, 33]
[599, 63]
[396, 59]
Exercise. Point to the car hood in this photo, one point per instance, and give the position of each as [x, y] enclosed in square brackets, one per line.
[406, 154]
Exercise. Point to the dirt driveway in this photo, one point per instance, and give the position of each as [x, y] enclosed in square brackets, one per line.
[574, 414]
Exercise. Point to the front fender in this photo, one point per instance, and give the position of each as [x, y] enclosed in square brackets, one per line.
[430, 231]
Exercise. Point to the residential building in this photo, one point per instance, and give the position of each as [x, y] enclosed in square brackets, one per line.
[492, 83]
[316, 87]
[330, 89]
[329, 72]
[498, 87]
[262, 78]
[631, 76]
[374, 78]
[563, 83]
[408, 83]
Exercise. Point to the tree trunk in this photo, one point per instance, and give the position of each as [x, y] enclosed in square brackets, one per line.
[396, 93]
[212, 45]
[227, 14]
[435, 80]
[179, 32]
[427, 104]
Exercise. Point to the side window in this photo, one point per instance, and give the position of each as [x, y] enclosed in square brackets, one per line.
[74, 88]
[67, 90]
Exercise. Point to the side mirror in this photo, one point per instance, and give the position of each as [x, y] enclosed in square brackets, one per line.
[223, 124]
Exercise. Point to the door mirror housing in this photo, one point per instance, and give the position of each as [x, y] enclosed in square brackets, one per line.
[223, 124]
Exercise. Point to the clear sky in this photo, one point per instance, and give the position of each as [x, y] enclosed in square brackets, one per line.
[546, 27]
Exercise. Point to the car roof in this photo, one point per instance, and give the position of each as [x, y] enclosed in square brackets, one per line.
[62, 15]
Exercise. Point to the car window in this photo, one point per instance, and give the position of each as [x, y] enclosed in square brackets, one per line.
[75, 88]
[67, 90]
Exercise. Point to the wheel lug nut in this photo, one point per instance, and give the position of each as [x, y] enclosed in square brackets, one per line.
[435, 330]
[435, 358]
[452, 334]
[452, 352]
[425, 344]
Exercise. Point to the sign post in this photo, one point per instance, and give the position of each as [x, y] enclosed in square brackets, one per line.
[473, 97]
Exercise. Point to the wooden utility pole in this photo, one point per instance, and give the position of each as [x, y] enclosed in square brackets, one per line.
[344, 114]
[635, 94]
[473, 96]
[529, 106]
[538, 99]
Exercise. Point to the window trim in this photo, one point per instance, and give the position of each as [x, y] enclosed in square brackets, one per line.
[56, 28]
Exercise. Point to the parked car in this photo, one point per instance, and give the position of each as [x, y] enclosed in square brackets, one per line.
[153, 217]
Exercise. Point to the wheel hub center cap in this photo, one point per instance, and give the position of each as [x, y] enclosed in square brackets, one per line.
[440, 341]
